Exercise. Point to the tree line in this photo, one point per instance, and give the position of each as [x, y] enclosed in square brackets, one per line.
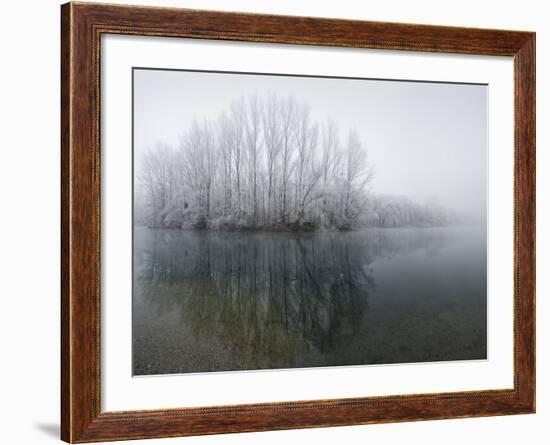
[262, 163]
[399, 211]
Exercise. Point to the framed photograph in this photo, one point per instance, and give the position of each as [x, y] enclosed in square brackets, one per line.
[274, 222]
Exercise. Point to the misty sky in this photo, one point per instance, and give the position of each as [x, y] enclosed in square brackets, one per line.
[427, 141]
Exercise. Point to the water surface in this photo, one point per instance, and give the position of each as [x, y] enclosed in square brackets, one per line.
[221, 301]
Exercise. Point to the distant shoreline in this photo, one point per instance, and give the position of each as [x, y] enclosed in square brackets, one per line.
[292, 229]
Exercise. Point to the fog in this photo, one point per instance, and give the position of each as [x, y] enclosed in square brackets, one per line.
[285, 222]
[425, 141]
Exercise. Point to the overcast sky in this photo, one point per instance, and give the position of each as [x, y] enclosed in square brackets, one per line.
[427, 141]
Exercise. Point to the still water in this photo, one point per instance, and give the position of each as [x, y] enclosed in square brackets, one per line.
[220, 301]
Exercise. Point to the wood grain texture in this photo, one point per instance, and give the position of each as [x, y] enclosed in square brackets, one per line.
[81, 28]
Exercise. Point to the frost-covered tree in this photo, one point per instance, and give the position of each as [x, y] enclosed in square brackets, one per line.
[399, 211]
[266, 163]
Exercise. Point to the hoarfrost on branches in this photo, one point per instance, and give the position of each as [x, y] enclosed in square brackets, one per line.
[265, 164]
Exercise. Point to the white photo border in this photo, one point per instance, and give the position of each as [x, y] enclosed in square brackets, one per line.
[120, 391]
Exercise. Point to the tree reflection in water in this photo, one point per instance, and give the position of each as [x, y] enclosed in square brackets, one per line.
[224, 301]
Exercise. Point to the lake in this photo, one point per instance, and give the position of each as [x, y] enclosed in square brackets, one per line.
[223, 301]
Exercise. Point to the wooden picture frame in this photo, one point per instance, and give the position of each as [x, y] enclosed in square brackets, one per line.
[82, 25]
